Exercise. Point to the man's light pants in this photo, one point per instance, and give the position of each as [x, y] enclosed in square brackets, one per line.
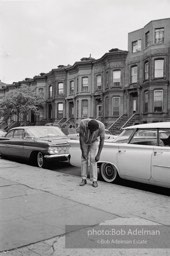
[90, 152]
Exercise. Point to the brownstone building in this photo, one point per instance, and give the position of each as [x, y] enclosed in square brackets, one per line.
[148, 72]
[120, 88]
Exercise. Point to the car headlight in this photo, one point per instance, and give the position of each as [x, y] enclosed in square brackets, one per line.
[53, 151]
[58, 150]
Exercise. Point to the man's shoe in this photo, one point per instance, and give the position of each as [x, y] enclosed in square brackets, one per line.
[83, 182]
[95, 184]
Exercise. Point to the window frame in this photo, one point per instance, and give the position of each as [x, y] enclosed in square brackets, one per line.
[72, 87]
[146, 103]
[154, 101]
[107, 79]
[146, 72]
[99, 83]
[85, 86]
[60, 91]
[161, 35]
[158, 70]
[136, 46]
[116, 81]
[147, 35]
[132, 76]
[50, 91]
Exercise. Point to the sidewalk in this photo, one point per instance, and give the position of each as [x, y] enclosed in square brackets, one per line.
[36, 204]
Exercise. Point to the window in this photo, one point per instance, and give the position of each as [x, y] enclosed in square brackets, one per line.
[10, 134]
[136, 46]
[50, 91]
[115, 106]
[84, 111]
[147, 39]
[50, 111]
[60, 110]
[159, 35]
[158, 100]
[107, 107]
[71, 87]
[147, 137]
[77, 84]
[146, 70]
[60, 88]
[107, 79]
[146, 100]
[99, 82]
[116, 77]
[164, 136]
[159, 68]
[77, 108]
[85, 84]
[134, 74]
[18, 134]
[41, 92]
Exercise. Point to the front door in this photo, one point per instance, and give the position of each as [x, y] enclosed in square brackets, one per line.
[71, 109]
[99, 111]
[116, 106]
[133, 103]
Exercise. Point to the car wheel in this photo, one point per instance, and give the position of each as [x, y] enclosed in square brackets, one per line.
[40, 161]
[108, 172]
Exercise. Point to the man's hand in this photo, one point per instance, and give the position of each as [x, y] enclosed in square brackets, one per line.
[97, 157]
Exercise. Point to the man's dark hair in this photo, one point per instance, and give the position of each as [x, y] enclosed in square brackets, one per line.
[93, 125]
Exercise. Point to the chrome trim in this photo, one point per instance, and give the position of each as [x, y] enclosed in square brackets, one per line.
[57, 156]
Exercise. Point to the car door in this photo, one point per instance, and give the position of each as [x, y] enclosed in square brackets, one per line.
[161, 165]
[5, 148]
[161, 159]
[16, 143]
[134, 158]
[134, 161]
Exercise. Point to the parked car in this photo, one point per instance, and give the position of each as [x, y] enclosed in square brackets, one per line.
[35, 143]
[140, 153]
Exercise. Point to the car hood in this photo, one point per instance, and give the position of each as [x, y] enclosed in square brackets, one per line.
[52, 141]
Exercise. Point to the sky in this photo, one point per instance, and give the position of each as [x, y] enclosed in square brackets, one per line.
[38, 35]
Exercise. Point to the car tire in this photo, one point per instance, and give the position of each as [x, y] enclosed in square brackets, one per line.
[40, 161]
[108, 172]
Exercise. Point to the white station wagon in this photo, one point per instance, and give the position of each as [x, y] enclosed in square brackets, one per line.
[140, 153]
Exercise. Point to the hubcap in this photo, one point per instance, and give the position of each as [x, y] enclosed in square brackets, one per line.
[40, 159]
[109, 173]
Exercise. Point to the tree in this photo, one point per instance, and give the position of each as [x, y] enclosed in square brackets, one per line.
[20, 102]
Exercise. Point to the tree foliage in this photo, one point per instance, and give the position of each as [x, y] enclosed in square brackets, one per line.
[20, 102]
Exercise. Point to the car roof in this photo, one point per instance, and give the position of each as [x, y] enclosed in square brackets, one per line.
[33, 126]
[160, 125]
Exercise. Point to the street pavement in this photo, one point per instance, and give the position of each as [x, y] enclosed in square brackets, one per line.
[36, 205]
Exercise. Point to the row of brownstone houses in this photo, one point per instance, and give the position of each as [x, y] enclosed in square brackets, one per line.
[120, 88]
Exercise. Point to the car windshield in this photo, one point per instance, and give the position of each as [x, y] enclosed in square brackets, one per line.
[46, 131]
[124, 136]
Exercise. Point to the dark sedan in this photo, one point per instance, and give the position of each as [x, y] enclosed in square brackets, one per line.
[35, 143]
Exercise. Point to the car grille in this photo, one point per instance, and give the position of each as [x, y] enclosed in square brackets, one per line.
[63, 150]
